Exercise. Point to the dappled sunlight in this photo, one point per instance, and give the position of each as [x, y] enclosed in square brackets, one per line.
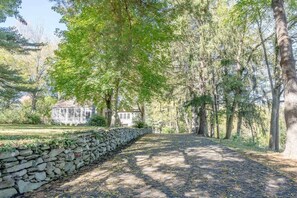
[204, 153]
[176, 166]
[273, 185]
[162, 168]
[85, 180]
[172, 159]
[148, 192]
[125, 180]
[197, 194]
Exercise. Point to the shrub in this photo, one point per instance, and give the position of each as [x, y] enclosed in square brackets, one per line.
[168, 130]
[33, 118]
[97, 120]
[139, 124]
[12, 116]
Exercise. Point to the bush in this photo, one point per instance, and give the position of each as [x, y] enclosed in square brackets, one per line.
[168, 130]
[97, 120]
[33, 118]
[12, 116]
[139, 124]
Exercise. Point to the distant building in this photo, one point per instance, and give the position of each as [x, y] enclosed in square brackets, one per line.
[129, 117]
[71, 113]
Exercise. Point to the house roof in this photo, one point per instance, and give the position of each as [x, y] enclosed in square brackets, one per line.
[68, 104]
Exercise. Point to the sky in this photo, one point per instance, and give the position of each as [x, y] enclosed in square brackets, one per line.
[38, 13]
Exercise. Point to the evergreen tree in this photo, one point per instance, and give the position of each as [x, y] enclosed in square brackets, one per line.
[11, 83]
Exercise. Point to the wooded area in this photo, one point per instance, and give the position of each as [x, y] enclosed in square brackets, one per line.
[220, 68]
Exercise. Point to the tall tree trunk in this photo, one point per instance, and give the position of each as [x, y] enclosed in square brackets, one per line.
[238, 90]
[177, 120]
[108, 99]
[289, 75]
[229, 120]
[116, 121]
[212, 123]
[215, 104]
[141, 109]
[217, 120]
[203, 121]
[239, 124]
[274, 120]
[275, 90]
[195, 117]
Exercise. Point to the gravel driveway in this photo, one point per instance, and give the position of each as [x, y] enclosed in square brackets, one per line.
[173, 166]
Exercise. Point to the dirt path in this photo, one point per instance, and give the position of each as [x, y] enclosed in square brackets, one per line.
[174, 166]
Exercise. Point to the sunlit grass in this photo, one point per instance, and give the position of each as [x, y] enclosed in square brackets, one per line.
[241, 145]
[20, 135]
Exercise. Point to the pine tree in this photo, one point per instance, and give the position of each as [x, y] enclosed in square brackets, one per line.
[11, 83]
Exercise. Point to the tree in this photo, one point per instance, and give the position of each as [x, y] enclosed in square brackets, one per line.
[13, 42]
[287, 63]
[34, 64]
[111, 47]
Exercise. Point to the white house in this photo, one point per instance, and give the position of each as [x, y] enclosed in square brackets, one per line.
[71, 113]
[129, 117]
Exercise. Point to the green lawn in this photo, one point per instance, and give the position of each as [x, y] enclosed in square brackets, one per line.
[18, 135]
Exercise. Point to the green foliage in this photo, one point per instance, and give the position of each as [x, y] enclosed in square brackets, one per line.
[19, 116]
[33, 118]
[97, 120]
[11, 83]
[22, 113]
[12, 116]
[44, 108]
[139, 124]
[167, 130]
[11, 40]
[198, 101]
[9, 8]
[111, 45]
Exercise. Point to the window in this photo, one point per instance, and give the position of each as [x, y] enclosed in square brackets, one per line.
[121, 116]
[88, 115]
[124, 116]
[128, 115]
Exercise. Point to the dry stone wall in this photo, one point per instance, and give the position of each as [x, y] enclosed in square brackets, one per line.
[23, 170]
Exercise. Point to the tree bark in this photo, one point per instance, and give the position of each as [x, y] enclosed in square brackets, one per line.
[141, 108]
[212, 121]
[229, 119]
[289, 75]
[275, 90]
[116, 121]
[108, 98]
[177, 120]
[239, 123]
[215, 104]
[217, 118]
[195, 116]
[274, 120]
[203, 121]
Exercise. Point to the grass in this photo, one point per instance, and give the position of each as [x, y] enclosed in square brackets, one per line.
[25, 135]
[263, 155]
[241, 145]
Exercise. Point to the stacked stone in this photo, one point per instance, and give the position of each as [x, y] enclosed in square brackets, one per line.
[24, 170]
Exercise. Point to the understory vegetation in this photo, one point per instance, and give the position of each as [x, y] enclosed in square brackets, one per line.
[218, 68]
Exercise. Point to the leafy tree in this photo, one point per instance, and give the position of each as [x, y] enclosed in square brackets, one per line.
[112, 47]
